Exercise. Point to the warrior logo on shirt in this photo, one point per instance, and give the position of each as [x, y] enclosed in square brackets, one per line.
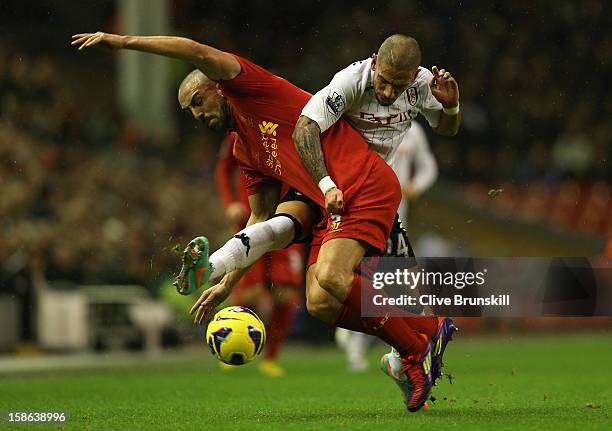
[413, 95]
[335, 103]
[268, 127]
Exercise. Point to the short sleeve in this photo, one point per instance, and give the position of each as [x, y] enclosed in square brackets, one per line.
[328, 104]
[253, 80]
[254, 87]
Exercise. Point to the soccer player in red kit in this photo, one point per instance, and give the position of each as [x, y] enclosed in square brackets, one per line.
[229, 92]
[280, 271]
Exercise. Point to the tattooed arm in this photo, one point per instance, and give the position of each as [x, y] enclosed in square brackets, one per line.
[307, 138]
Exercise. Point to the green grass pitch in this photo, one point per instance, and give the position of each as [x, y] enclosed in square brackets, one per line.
[514, 382]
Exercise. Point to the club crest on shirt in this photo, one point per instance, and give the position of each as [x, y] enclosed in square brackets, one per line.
[413, 95]
[335, 103]
[334, 223]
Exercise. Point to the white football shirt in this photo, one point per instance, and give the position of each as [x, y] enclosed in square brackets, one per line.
[351, 93]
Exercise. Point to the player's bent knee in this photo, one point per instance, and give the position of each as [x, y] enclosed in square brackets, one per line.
[313, 307]
[319, 303]
[333, 280]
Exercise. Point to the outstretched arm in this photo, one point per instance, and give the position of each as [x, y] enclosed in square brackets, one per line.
[214, 63]
[307, 138]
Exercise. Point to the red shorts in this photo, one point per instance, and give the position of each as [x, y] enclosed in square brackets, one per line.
[367, 216]
[284, 267]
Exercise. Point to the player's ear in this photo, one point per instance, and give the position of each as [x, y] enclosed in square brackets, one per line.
[374, 57]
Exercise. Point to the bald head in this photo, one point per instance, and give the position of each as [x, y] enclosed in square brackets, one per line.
[192, 82]
[400, 52]
[395, 67]
[202, 98]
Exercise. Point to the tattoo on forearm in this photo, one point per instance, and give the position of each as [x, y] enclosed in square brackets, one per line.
[308, 144]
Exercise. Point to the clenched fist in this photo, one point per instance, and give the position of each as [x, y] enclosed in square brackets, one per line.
[334, 200]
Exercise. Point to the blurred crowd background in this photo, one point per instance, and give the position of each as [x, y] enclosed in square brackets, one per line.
[89, 195]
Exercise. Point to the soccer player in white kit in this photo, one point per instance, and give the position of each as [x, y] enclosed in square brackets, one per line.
[380, 97]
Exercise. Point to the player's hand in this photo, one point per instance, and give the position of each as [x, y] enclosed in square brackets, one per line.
[211, 298]
[100, 39]
[334, 200]
[236, 213]
[444, 87]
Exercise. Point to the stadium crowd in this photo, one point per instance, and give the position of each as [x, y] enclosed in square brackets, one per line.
[85, 196]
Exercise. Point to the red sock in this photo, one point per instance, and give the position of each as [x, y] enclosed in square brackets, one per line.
[278, 328]
[396, 331]
[426, 325]
[349, 319]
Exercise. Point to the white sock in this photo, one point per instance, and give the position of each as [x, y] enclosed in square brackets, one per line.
[252, 242]
[342, 337]
[394, 360]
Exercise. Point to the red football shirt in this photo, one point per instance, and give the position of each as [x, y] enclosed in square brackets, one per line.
[266, 108]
